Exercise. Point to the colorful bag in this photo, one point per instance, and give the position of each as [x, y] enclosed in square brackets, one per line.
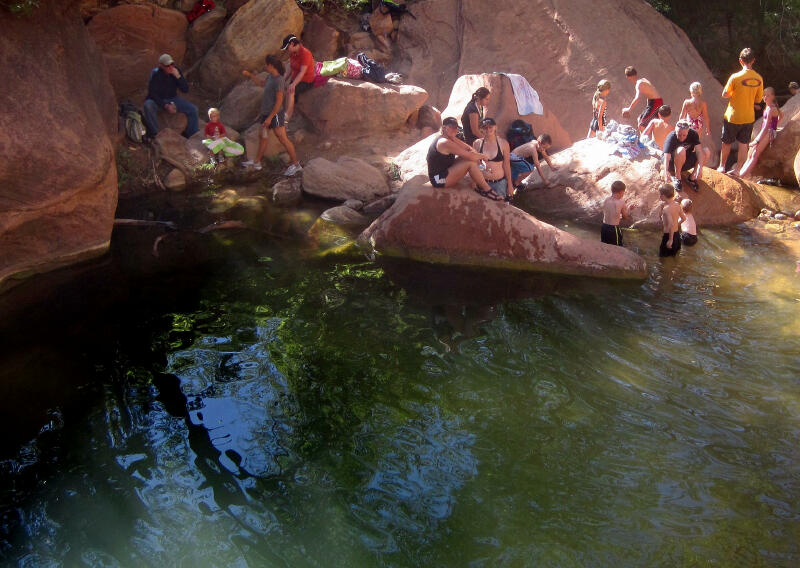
[354, 70]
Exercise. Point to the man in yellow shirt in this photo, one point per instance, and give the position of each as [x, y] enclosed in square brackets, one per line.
[743, 90]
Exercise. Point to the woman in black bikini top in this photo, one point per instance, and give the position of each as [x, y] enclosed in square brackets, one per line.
[498, 168]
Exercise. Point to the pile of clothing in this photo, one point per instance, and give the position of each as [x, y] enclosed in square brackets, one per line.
[624, 140]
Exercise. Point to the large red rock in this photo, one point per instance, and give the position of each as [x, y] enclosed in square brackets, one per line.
[58, 179]
[347, 108]
[255, 30]
[203, 32]
[131, 38]
[777, 161]
[562, 48]
[322, 39]
[458, 227]
[503, 107]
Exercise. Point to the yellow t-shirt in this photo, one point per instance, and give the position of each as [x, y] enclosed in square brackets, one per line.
[745, 88]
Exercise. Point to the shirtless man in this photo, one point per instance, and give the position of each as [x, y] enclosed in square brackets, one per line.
[527, 157]
[644, 88]
[659, 128]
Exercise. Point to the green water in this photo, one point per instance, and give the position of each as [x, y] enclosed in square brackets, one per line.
[277, 410]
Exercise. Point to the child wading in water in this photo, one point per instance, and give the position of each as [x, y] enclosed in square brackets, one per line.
[671, 217]
[272, 114]
[599, 108]
[688, 225]
[614, 210]
[695, 110]
[769, 126]
[216, 141]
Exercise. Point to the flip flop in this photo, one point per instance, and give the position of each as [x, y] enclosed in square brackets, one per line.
[489, 194]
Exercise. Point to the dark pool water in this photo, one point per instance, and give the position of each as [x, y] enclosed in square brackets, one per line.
[274, 408]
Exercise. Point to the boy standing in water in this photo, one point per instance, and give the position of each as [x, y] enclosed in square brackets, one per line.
[743, 90]
[644, 88]
[671, 217]
[614, 210]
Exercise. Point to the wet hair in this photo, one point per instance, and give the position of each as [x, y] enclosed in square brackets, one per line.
[481, 93]
[747, 55]
[667, 191]
[544, 139]
[630, 71]
[686, 205]
[449, 121]
[618, 187]
[696, 89]
[276, 63]
[664, 111]
[211, 111]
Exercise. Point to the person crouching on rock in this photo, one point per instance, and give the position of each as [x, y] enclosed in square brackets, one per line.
[272, 116]
[497, 170]
[449, 160]
[683, 152]
[162, 94]
[527, 157]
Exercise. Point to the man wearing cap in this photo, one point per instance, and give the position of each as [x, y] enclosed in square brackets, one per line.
[162, 94]
[683, 152]
[300, 74]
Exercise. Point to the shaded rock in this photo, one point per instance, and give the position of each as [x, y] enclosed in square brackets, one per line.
[255, 30]
[233, 5]
[175, 180]
[241, 105]
[429, 117]
[178, 151]
[458, 227]
[343, 215]
[380, 24]
[347, 108]
[450, 38]
[58, 178]
[354, 204]
[378, 206]
[586, 171]
[778, 159]
[176, 122]
[287, 191]
[348, 178]
[203, 32]
[131, 38]
[503, 107]
[321, 39]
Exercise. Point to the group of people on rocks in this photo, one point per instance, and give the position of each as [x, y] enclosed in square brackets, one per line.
[282, 87]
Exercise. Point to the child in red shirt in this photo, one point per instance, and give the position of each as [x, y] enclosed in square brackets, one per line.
[216, 141]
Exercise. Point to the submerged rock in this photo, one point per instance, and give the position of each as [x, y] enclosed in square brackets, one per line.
[458, 227]
[343, 215]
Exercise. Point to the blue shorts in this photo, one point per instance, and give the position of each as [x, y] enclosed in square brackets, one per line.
[519, 166]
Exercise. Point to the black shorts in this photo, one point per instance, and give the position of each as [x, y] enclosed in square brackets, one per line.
[301, 88]
[277, 121]
[739, 132]
[688, 239]
[689, 164]
[611, 234]
[438, 179]
[676, 245]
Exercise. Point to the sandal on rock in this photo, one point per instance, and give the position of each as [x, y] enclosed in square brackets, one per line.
[693, 184]
[489, 194]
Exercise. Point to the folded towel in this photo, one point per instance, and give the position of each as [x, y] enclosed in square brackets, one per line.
[527, 98]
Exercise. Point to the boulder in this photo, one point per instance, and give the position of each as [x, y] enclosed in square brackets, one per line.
[429, 117]
[203, 32]
[175, 180]
[242, 105]
[797, 167]
[251, 139]
[254, 31]
[587, 169]
[58, 178]
[777, 160]
[375, 208]
[503, 107]
[790, 108]
[348, 108]
[348, 178]
[344, 216]
[567, 57]
[233, 5]
[131, 38]
[180, 152]
[287, 191]
[322, 39]
[354, 204]
[458, 227]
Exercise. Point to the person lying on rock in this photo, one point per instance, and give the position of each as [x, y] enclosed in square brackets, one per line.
[527, 157]
[683, 152]
[162, 94]
[644, 88]
[449, 160]
[300, 75]
[497, 170]
[272, 115]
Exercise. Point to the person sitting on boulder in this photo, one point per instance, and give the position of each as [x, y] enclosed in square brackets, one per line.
[216, 141]
[683, 152]
[272, 115]
[695, 110]
[449, 160]
[643, 88]
[497, 170]
[473, 114]
[599, 108]
[769, 128]
[527, 157]
[300, 75]
[659, 128]
[162, 94]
